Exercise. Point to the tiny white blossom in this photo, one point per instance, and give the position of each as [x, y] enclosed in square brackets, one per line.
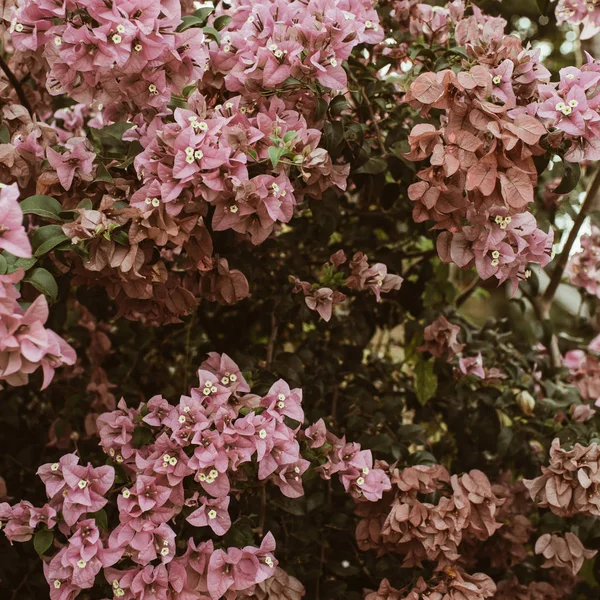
[57, 584]
[212, 514]
[126, 493]
[116, 38]
[360, 481]
[81, 564]
[213, 473]
[164, 551]
[233, 376]
[181, 419]
[54, 467]
[262, 434]
[82, 483]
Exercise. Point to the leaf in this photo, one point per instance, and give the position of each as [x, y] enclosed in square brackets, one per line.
[42, 541]
[426, 381]
[275, 155]
[427, 89]
[47, 237]
[222, 22]
[374, 166]
[289, 136]
[4, 135]
[190, 21]
[212, 32]
[338, 105]
[43, 281]
[572, 173]
[3, 265]
[204, 12]
[141, 436]
[334, 138]
[102, 174]
[321, 109]
[101, 519]
[42, 206]
[516, 188]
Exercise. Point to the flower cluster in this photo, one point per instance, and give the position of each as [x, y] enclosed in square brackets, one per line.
[363, 479]
[130, 52]
[583, 268]
[25, 344]
[569, 485]
[362, 277]
[584, 370]
[573, 107]
[422, 531]
[485, 149]
[580, 12]
[452, 584]
[441, 338]
[291, 47]
[210, 441]
[563, 552]
[203, 158]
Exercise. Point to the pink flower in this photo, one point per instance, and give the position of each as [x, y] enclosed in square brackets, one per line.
[13, 237]
[212, 513]
[76, 159]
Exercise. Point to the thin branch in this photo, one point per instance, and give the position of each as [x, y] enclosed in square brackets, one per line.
[371, 113]
[466, 294]
[272, 340]
[263, 509]
[16, 84]
[563, 259]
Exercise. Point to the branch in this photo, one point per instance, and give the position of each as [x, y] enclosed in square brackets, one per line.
[272, 340]
[466, 294]
[371, 113]
[563, 259]
[16, 84]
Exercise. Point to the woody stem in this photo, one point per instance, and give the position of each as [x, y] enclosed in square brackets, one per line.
[16, 84]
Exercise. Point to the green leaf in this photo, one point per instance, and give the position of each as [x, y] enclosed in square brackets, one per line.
[222, 22]
[3, 265]
[102, 174]
[47, 237]
[43, 206]
[15, 262]
[42, 541]
[374, 166]
[190, 21]
[321, 109]
[275, 155]
[425, 380]
[43, 281]
[572, 173]
[141, 436]
[101, 519]
[203, 13]
[289, 136]
[212, 32]
[338, 105]
[4, 135]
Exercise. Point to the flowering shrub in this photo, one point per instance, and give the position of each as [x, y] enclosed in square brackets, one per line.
[318, 202]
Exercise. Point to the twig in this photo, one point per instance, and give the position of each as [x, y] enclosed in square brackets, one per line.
[544, 303]
[466, 294]
[272, 340]
[188, 337]
[16, 84]
[371, 113]
[563, 259]
[263, 510]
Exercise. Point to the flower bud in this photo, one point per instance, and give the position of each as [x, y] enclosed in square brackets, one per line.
[526, 403]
